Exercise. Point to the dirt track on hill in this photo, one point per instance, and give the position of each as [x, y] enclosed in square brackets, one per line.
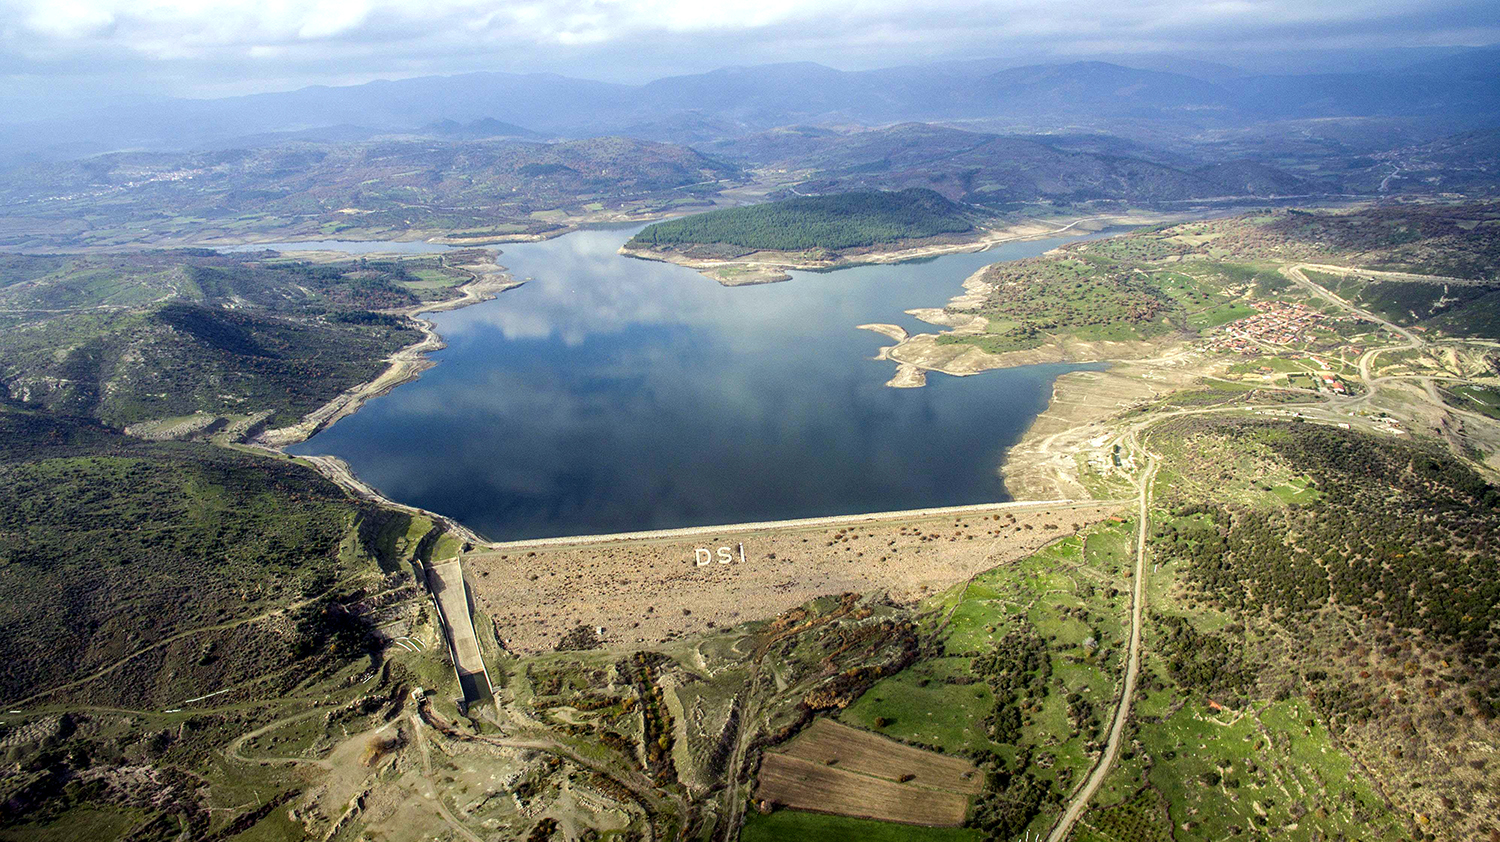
[1084, 796]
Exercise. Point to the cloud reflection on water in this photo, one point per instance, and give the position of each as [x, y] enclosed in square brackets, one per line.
[612, 394]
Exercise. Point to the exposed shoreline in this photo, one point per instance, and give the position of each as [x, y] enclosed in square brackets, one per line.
[924, 351]
[436, 237]
[487, 282]
[404, 366]
[1043, 462]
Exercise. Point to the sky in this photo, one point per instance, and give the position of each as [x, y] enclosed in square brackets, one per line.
[109, 48]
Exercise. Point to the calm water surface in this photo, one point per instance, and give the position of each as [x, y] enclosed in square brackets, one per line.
[611, 394]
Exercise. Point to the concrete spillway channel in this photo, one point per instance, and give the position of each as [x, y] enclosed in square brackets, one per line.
[445, 580]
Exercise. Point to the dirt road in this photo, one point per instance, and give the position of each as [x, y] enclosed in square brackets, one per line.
[1298, 275]
[1106, 762]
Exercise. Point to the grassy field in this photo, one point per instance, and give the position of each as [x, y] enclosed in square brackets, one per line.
[1030, 656]
[1252, 720]
[79, 824]
[1482, 399]
[1192, 278]
[1340, 683]
[1229, 774]
[916, 708]
[1141, 818]
[1117, 290]
[1219, 315]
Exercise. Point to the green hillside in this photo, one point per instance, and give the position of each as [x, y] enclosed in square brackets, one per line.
[843, 221]
[109, 545]
[133, 337]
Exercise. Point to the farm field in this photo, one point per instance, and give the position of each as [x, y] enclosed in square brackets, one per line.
[1141, 818]
[851, 749]
[805, 785]
[1316, 654]
[798, 826]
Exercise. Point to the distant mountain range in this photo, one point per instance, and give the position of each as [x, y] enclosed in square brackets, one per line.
[493, 154]
[1001, 170]
[357, 190]
[1462, 89]
[439, 181]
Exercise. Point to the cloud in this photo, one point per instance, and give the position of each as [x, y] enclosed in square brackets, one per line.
[329, 18]
[261, 42]
[142, 25]
[69, 19]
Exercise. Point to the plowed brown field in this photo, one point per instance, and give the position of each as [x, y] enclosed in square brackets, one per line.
[829, 743]
[804, 785]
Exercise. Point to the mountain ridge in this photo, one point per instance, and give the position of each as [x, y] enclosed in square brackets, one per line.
[753, 98]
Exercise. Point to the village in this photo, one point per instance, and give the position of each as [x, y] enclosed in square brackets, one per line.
[1277, 323]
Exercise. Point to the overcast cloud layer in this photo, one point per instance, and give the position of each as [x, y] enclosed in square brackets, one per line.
[208, 47]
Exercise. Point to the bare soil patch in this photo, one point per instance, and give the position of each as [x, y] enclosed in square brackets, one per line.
[650, 589]
[805, 785]
[959, 359]
[830, 743]
[1077, 426]
[1044, 463]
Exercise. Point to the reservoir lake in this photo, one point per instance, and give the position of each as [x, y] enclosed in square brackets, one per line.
[610, 394]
